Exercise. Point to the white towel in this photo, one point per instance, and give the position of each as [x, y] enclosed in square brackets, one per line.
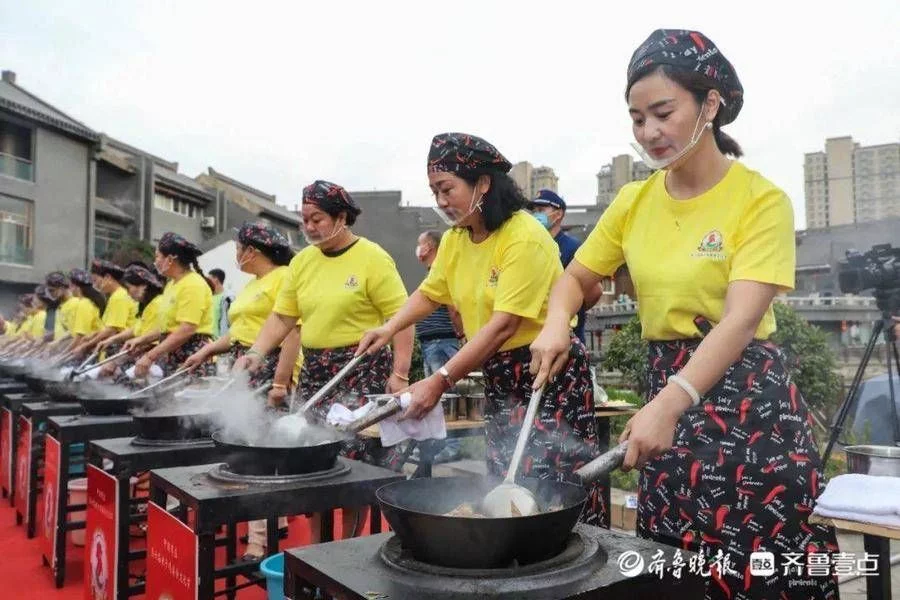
[393, 429]
[863, 498]
[155, 373]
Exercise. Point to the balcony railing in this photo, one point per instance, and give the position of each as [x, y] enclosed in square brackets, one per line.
[14, 166]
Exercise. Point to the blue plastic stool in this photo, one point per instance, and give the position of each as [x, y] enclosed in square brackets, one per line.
[273, 569]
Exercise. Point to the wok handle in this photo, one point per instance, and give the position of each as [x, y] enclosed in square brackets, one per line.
[174, 375]
[320, 395]
[603, 464]
[100, 364]
[376, 415]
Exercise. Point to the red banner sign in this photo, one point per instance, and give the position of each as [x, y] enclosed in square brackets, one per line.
[101, 535]
[6, 446]
[51, 496]
[171, 557]
[23, 468]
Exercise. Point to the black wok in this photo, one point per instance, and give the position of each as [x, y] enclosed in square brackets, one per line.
[247, 459]
[114, 405]
[174, 424]
[416, 510]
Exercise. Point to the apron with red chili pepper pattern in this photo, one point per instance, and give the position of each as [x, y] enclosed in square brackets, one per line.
[743, 476]
[564, 435]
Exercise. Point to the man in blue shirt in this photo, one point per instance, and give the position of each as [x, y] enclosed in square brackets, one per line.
[550, 210]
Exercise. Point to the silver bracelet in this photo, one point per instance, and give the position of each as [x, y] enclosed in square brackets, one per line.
[687, 387]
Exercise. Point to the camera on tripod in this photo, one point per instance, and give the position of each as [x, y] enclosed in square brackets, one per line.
[878, 269]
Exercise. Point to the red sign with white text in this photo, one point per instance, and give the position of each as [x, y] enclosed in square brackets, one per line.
[6, 446]
[171, 557]
[51, 496]
[23, 467]
[101, 535]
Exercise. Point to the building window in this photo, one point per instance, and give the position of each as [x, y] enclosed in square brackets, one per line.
[106, 239]
[16, 152]
[16, 233]
[176, 205]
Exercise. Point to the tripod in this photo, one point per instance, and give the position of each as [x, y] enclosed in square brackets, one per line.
[887, 301]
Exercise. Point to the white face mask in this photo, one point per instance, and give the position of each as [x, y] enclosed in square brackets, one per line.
[662, 163]
[419, 252]
[248, 256]
[319, 241]
[452, 217]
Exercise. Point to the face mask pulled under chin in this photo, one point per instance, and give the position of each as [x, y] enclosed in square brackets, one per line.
[662, 163]
[314, 241]
[453, 217]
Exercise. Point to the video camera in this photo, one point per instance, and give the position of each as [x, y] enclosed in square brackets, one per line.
[879, 268]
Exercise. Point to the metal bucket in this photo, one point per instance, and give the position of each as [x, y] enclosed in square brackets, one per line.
[475, 406]
[873, 460]
[450, 404]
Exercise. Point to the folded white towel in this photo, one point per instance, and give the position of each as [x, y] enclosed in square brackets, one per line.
[393, 429]
[866, 494]
[892, 521]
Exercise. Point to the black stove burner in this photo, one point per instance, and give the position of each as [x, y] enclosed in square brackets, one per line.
[223, 473]
[139, 441]
[579, 550]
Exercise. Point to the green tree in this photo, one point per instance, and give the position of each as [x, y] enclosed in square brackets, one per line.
[131, 249]
[810, 360]
[627, 353]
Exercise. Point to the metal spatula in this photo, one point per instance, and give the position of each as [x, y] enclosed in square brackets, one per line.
[510, 499]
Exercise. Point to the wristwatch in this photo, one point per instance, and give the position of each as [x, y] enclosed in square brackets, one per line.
[446, 375]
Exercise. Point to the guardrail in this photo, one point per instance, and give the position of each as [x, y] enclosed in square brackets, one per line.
[817, 302]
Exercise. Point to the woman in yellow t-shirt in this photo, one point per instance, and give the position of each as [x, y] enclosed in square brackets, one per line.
[120, 311]
[58, 288]
[44, 303]
[145, 288]
[496, 266]
[727, 454]
[337, 288]
[264, 252]
[91, 303]
[187, 308]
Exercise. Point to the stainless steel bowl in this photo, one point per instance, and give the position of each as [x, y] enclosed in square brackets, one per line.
[873, 460]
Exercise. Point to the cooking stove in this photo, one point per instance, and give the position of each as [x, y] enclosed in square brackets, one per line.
[378, 567]
[223, 473]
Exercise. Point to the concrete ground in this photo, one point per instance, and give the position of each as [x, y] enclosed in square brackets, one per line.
[848, 542]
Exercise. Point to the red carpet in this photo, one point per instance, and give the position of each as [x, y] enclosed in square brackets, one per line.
[25, 578]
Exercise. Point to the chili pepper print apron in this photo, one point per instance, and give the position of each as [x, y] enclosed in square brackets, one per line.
[564, 435]
[174, 359]
[742, 476]
[369, 377]
[266, 372]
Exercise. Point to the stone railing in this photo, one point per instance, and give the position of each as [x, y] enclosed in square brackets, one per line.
[799, 302]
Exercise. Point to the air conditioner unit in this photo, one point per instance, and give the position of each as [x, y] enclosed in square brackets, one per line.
[208, 222]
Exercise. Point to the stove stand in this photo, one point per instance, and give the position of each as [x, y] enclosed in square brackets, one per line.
[139, 441]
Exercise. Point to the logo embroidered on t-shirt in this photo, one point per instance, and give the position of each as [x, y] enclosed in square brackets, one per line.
[711, 246]
[494, 277]
[352, 283]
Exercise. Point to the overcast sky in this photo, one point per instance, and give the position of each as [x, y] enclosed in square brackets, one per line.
[277, 95]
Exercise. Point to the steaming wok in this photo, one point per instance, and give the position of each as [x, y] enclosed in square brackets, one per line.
[175, 423]
[247, 458]
[100, 401]
[417, 511]
[14, 367]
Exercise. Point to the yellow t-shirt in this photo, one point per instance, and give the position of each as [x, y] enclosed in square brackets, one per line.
[38, 322]
[189, 301]
[253, 305]
[121, 310]
[511, 271]
[86, 319]
[151, 317]
[682, 254]
[11, 329]
[25, 328]
[338, 298]
[65, 315]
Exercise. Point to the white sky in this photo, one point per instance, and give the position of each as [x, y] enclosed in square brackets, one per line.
[279, 94]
